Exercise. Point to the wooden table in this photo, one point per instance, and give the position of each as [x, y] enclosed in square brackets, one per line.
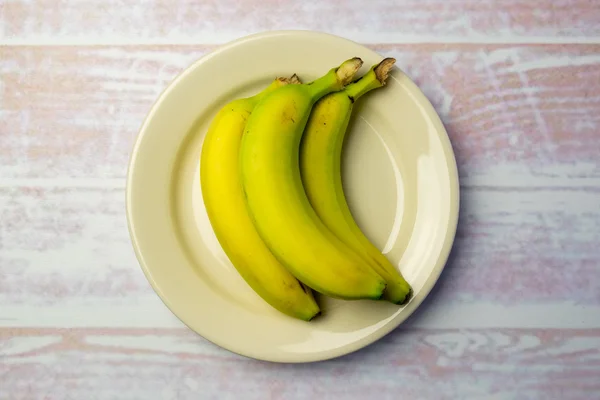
[516, 314]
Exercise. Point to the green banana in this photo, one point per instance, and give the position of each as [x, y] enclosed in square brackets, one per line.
[226, 208]
[276, 198]
[320, 163]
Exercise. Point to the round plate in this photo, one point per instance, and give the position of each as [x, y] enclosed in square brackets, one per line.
[399, 175]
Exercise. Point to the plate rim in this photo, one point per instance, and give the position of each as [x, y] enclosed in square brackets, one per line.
[447, 244]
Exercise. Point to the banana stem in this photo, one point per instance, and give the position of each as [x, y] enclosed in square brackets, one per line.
[375, 78]
[336, 78]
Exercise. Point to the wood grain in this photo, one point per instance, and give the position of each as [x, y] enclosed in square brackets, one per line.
[67, 251]
[160, 21]
[516, 313]
[529, 223]
[176, 364]
[521, 116]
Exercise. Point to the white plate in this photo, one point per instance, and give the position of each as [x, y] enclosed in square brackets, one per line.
[399, 175]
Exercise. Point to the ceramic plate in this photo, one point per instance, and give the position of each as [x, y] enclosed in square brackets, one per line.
[399, 175]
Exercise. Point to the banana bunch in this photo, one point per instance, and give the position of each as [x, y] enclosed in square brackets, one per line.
[271, 183]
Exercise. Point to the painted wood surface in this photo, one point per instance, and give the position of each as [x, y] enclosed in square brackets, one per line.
[79, 269]
[73, 112]
[516, 314]
[165, 21]
[411, 363]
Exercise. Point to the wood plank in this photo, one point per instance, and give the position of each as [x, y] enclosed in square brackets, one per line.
[523, 116]
[416, 363]
[59, 108]
[164, 21]
[522, 109]
[67, 251]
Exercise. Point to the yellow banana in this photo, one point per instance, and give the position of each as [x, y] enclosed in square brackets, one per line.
[276, 199]
[227, 211]
[320, 163]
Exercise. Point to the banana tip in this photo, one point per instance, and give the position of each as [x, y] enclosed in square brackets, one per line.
[348, 69]
[295, 79]
[314, 316]
[382, 70]
[409, 296]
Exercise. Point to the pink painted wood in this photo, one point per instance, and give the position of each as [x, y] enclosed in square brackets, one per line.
[425, 364]
[524, 107]
[209, 21]
[516, 313]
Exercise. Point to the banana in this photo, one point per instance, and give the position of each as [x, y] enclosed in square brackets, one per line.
[277, 201]
[226, 208]
[320, 164]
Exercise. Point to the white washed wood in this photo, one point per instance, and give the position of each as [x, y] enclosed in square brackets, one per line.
[413, 363]
[381, 21]
[67, 249]
[524, 122]
[66, 252]
[517, 116]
